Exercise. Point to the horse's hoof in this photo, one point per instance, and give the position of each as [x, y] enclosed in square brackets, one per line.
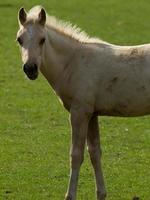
[68, 197]
[136, 198]
[101, 196]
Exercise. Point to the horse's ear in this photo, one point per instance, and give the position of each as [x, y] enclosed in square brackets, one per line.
[42, 17]
[22, 16]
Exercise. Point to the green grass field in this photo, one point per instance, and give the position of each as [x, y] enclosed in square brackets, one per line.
[34, 127]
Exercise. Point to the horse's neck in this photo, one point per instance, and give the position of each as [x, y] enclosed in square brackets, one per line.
[56, 53]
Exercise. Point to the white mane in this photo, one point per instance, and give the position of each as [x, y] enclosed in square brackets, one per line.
[71, 30]
[65, 27]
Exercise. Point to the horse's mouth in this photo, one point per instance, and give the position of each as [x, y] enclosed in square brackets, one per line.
[32, 76]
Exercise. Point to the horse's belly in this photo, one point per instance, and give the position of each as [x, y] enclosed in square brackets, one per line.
[125, 102]
[123, 111]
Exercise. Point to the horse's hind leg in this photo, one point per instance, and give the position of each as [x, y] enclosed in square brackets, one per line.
[93, 142]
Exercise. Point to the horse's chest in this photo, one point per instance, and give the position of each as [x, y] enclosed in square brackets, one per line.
[66, 100]
[65, 96]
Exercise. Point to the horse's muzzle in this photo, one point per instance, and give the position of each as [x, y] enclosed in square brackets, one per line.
[31, 70]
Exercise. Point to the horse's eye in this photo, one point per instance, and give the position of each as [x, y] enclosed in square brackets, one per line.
[42, 41]
[19, 40]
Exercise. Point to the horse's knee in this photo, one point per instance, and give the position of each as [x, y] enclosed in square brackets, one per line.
[94, 152]
[77, 158]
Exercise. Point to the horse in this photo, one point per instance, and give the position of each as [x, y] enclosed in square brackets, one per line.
[90, 76]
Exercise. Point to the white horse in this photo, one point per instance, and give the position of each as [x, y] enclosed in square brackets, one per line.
[90, 76]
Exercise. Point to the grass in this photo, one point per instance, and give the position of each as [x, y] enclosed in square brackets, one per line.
[34, 128]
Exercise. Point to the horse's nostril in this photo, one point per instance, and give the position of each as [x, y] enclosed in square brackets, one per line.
[32, 68]
[35, 67]
[25, 68]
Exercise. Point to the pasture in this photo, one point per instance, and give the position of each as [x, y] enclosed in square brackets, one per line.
[34, 127]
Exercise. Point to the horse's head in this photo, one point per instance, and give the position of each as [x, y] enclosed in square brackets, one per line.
[31, 38]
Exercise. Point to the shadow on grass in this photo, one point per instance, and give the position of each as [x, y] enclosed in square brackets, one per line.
[7, 5]
[136, 198]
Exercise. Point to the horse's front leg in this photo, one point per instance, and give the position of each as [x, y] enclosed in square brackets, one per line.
[79, 123]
